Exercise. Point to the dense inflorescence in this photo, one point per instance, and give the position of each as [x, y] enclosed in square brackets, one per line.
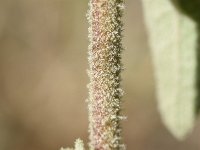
[105, 48]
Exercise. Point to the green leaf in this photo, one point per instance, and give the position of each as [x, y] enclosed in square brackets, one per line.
[173, 39]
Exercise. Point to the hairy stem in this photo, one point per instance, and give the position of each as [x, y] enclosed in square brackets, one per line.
[105, 48]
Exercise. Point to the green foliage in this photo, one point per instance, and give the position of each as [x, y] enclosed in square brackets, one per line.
[173, 37]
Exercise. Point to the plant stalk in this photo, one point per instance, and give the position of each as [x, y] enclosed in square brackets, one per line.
[105, 34]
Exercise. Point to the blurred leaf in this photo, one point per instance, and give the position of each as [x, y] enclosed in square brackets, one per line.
[172, 37]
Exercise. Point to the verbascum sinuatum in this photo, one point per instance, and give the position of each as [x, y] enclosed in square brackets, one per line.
[105, 34]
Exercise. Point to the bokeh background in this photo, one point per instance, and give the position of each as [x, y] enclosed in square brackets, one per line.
[43, 62]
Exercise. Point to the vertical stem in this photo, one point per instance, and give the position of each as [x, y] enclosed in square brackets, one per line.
[105, 48]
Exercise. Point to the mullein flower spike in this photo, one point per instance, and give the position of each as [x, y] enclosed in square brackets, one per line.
[173, 38]
[105, 94]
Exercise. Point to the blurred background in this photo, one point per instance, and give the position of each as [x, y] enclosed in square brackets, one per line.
[43, 62]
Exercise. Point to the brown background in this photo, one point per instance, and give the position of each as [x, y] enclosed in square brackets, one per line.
[43, 62]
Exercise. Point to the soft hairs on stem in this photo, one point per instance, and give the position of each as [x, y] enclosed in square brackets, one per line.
[105, 48]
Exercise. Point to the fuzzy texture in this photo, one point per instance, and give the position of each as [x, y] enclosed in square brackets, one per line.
[78, 146]
[105, 27]
[173, 38]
